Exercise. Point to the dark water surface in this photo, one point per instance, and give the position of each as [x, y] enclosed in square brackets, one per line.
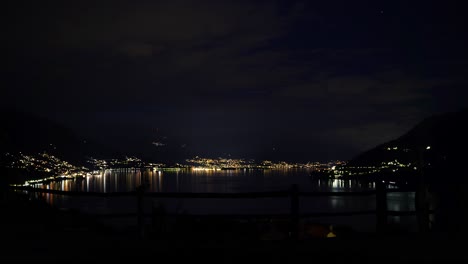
[229, 181]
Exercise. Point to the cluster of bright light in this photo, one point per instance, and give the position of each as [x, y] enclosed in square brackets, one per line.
[393, 165]
[204, 169]
[156, 165]
[219, 163]
[42, 162]
[68, 176]
[112, 163]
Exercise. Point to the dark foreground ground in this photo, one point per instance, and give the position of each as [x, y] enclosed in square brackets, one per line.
[33, 232]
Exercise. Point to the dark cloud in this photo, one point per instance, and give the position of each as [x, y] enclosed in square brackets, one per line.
[138, 50]
[314, 80]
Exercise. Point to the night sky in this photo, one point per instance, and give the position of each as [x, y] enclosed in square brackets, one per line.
[290, 80]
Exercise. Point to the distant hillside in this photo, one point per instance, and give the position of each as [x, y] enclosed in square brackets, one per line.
[440, 141]
[32, 134]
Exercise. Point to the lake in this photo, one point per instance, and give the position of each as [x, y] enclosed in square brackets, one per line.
[229, 181]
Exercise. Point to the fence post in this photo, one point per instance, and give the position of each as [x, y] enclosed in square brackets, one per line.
[422, 208]
[294, 212]
[381, 206]
[140, 216]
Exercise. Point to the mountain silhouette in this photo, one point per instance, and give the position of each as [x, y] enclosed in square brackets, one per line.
[440, 141]
[437, 149]
[31, 134]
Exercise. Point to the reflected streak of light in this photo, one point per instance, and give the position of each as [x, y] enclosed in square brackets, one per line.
[335, 183]
[115, 181]
[177, 181]
[334, 202]
[105, 183]
[159, 182]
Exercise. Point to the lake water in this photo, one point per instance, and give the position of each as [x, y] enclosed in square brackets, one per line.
[229, 181]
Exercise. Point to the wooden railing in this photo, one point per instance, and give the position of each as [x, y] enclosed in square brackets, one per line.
[293, 194]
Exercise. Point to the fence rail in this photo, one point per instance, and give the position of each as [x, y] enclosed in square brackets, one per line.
[381, 212]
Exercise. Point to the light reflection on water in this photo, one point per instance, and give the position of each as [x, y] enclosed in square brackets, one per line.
[227, 181]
